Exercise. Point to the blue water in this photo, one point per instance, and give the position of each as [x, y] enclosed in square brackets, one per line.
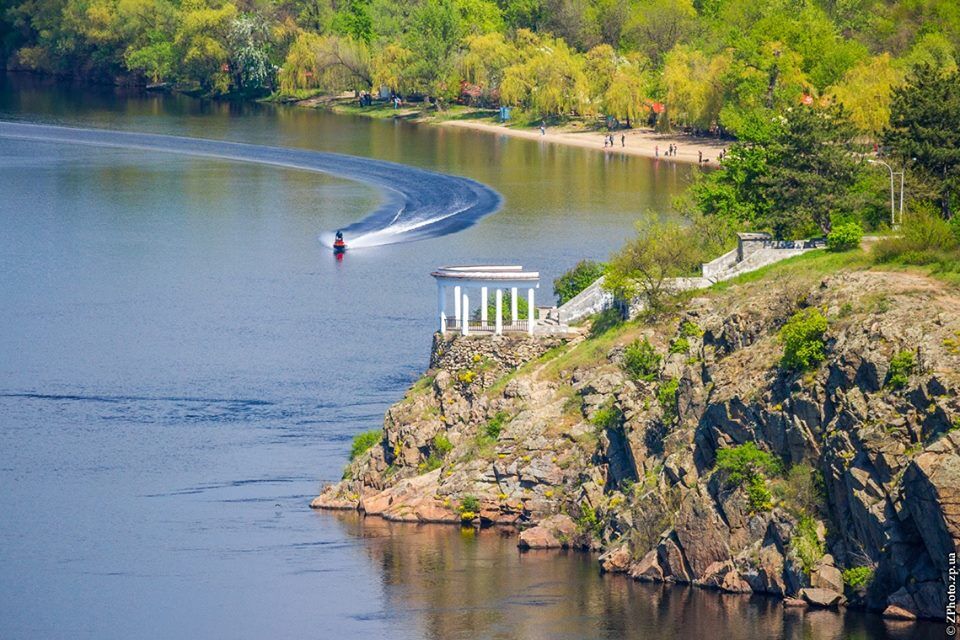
[183, 364]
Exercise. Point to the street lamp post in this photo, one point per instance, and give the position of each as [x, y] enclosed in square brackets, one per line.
[893, 199]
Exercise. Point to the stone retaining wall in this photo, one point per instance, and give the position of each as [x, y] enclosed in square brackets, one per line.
[509, 351]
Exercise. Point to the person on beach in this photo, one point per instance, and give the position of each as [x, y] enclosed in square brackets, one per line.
[606, 140]
[699, 156]
[656, 151]
[543, 128]
[623, 140]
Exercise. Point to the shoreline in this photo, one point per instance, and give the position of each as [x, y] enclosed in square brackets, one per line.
[643, 142]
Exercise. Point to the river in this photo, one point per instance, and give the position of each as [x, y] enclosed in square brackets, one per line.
[183, 364]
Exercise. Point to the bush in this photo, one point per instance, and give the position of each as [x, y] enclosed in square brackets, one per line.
[469, 507]
[926, 239]
[607, 417]
[441, 444]
[845, 237]
[857, 577]
[759, 496]
[802, 338]
[641, 360]
[680, 345]
[746, 461]
[802, 490]
[690, 330]
[363, 441]
[806, 544]
[901, 366]
[581, 276]
[495, 425]
[667, 397]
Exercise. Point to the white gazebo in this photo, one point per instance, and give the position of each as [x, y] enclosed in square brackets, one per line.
[485, 278]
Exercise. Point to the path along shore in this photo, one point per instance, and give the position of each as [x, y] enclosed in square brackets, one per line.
[636, 142]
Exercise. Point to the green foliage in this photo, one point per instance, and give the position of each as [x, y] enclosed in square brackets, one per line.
[441, 444]
[660, 251]
[581, 276]
[495, 425]
[589, 521]
[690, 330]
[364, 441]
[680, 345]
[468, 508]
[925, 130]
[667, 397]
[901, 367]
[744, 462]
[641, 360]
[925, 239]
[758, 495]
[801, 491]
[844, 237]
[858, 577]
[607, 417]
[789, 176]
[802, 339]
[806, 544]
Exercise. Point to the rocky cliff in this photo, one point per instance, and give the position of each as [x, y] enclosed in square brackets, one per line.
[704, 459]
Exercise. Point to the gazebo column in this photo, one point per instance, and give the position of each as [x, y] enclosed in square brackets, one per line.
[531, 311]
[465, 315]
[442, 306]
[483, 307]
[514, 316]
[498, 309]
[456, 305]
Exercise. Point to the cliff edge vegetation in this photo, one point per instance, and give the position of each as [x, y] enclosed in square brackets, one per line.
[795, 432]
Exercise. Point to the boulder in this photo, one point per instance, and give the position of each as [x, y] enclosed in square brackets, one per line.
[822, 597]
[796, 603]
[648, 569]
[826, 576]
[616, 561]
[554, 532]
[898, 613]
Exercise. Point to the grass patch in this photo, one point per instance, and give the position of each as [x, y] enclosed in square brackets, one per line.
[364, 441]
[806, 544]
[858, 577]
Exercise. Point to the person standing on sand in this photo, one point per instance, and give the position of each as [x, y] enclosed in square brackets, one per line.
[543, 128]
[656, 151]
[605, 141]
[623, 140]
[699, 156]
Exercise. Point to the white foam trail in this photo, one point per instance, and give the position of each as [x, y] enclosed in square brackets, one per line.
[417, 203]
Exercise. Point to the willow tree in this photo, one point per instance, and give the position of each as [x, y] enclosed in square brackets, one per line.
[627, 94]
[329, 63]
[393, 68]
[550, 79]
[865, 92]
[200, 41]
[486, 58]
[694, 86]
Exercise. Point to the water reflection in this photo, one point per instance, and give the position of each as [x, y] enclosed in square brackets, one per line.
[445, 583]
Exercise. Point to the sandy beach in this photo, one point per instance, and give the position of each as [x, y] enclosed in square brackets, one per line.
[636, 142]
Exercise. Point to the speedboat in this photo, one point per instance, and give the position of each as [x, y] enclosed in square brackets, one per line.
[339, 246]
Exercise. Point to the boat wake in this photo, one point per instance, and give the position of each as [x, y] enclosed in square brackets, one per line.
[417, 203]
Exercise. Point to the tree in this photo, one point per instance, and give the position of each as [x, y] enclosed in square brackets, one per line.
[249, 44]
[200, 41]
[626, 97]
[331, 63]
[548, 80]
[925, 126]
[660, 251]
[694, 86]
[655, 27]
[865, 92]
[486, 58]
[811, 171]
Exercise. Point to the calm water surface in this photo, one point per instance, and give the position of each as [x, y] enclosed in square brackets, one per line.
[182, 365]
